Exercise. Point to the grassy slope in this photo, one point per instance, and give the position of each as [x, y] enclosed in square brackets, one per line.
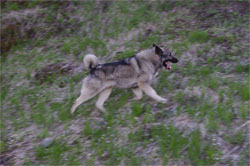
[208, 91]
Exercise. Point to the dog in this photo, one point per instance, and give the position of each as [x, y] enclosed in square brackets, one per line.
[135, 72]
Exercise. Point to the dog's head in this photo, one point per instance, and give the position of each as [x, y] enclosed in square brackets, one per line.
[166, 56]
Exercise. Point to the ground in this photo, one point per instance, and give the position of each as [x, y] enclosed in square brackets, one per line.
[205, 122]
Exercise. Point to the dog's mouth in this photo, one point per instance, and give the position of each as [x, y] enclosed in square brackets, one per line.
[167, 65]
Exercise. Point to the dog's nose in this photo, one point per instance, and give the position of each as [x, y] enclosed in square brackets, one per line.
[175, 60]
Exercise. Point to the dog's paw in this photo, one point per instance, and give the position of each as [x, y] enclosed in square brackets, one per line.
[137, 98]
[72, 111]
[163, 100]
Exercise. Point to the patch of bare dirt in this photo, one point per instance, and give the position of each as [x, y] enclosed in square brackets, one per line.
[22, 25]
[184, 123]
[211, 13]
[18, 150]
[197, 92]
[48, 71]
[143, 29]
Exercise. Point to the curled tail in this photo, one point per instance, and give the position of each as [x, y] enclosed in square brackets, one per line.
[90, 61]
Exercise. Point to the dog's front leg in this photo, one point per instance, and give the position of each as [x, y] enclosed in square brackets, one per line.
[151, 92]
[138, 93]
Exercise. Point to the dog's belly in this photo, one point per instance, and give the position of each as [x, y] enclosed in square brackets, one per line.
[126, 83]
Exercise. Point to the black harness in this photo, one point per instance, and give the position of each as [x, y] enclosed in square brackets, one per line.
[122, 62]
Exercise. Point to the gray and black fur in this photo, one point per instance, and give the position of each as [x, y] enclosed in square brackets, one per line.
[135, 72]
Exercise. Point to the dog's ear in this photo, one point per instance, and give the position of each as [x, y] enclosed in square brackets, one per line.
[158, 50]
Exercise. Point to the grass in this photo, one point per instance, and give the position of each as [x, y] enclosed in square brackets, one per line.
[199, 152]
[130, 132]
[54, 153]
[12, 6]
[125, 54]
[171, 142]
[236, 138]
[239, 68]
[137, 109]
[198, 37]
[242, 89]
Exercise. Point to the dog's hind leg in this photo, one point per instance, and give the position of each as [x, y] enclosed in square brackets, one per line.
[138, 93]
[81, 99]
[103, 96]
[151, 92]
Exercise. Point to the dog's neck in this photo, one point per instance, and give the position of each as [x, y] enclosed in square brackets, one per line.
[154, 58]
[149, 54]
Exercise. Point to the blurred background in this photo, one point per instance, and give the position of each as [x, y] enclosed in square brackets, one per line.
[206, 121]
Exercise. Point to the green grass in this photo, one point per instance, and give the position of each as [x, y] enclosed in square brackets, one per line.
[12, 6]
[125, 54]
[239, 68]
[172, 143]
[236, 138]
[147, 43]
[242, 89]
[128, 130]
[223, 39]
[43, 134]
[137, 109]
[54, 154]
[198, 37]
[212, 82]
[200, 152]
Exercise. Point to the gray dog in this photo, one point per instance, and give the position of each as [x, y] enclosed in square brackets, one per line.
[135, 72]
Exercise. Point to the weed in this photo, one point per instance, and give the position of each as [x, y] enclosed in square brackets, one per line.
[165, 6]
[11, 6]
[68, 45]
[199, 152]
[62, 110]
[87, 130]
[53, 154]
[43, 134]
[123, 7]
[242, 68]
[191, 110]
[224, 112]
[205, 71]
[242, 89]
[125, 54]
[149, 40]
[211, 82]
[244, 159]
[205, 107]
[148, 116]
[180, 97]
[4, 92]
[169, 140]
[136, 161]
[212, 123]
[236, 138]
[198, 37]
[137, 16]
[137, 109]
[3, 146]
[243, 112]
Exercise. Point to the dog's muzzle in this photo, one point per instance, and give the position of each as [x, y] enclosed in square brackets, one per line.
[167, 65]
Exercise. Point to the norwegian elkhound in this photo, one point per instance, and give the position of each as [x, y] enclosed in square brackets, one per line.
[135, 72]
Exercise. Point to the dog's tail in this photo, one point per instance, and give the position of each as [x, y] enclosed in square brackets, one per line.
[90, 61]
